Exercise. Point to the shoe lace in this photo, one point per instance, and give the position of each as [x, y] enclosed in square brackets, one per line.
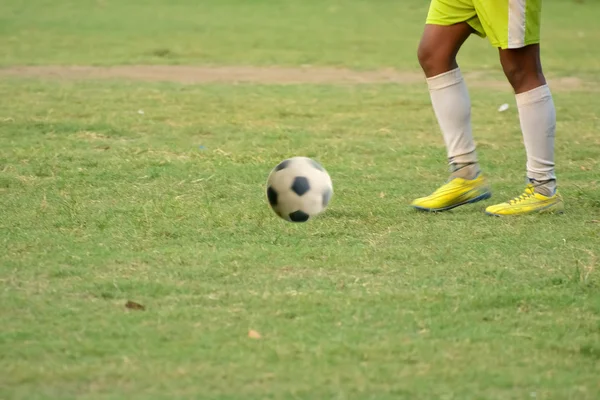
[524, 196]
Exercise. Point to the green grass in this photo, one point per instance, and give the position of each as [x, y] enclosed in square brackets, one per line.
[100, 204]
[355, 33]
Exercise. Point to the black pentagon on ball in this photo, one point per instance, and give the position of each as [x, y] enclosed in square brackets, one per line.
[282, 165]
[300, 185]
[327, 196]
[272, 196]
[317, 165]
[299, 216]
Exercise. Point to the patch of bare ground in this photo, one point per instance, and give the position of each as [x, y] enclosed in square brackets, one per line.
[267, 75]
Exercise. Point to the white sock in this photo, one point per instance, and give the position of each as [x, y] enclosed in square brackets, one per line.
[452, 107]
[538, 123]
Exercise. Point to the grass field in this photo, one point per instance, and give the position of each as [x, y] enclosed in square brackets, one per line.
[118, 190]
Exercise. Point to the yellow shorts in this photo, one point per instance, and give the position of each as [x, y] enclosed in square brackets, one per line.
[508, 24]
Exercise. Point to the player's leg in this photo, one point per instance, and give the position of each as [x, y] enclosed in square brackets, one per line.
[537, 114]
[520, 59]
[448, 92]
[439, 46]
[523, 67]
[445, 32]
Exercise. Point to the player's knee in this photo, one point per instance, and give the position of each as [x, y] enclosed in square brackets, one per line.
[522, 78]
[522, 68]
[432, 60]
[515, 73]
[424, 55]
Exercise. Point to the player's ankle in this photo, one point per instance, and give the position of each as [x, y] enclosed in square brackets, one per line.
[465, 170]
[544, 187]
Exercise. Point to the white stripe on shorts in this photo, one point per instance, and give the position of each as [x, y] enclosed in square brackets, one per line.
[516, 23]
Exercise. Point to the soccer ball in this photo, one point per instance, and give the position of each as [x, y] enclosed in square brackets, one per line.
[298, 189]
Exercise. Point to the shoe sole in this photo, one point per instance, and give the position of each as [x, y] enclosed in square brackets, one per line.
[481, 197]
[540, 211]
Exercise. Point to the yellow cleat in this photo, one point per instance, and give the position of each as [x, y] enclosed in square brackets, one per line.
[456, 192]
[528, 203]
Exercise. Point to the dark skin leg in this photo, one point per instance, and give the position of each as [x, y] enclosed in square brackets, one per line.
[523, 67]
[437, 54]
[439, 46]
